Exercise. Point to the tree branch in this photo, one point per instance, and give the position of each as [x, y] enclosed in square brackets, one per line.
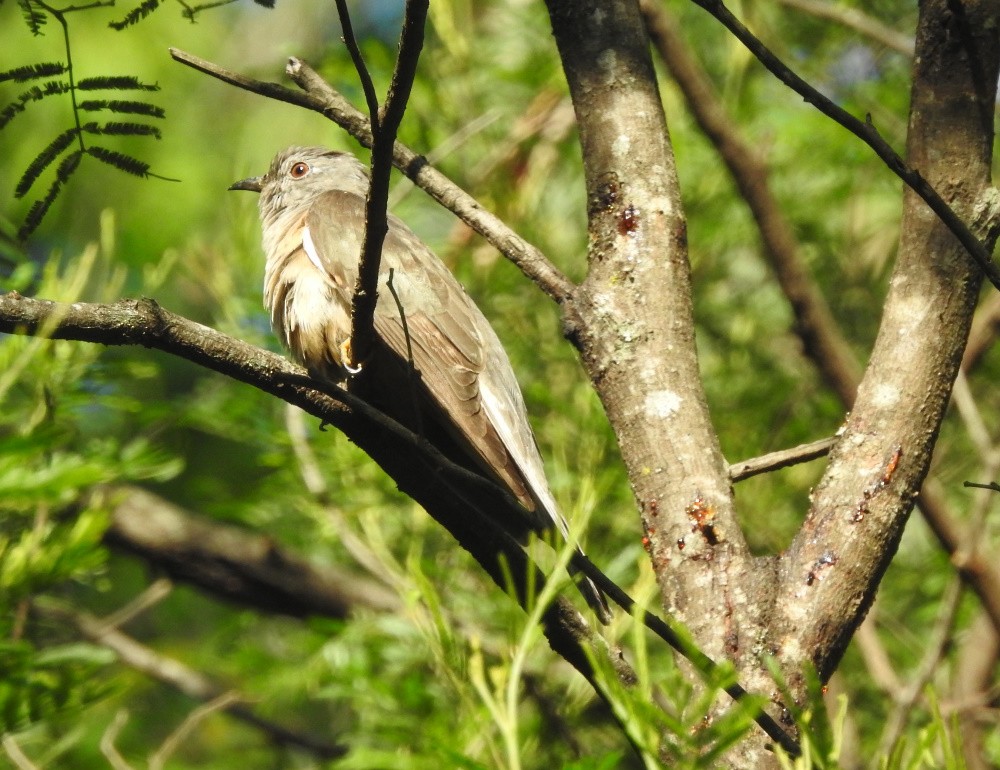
[814, 322]
[446, 492]
[179, 676]
[783, 458]
[444, 489]
[320, 97]
[384, 125]
[866, 132]
[857, 20]
[230, 562]
[859, 508]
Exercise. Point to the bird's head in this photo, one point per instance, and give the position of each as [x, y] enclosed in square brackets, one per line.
[299, 174]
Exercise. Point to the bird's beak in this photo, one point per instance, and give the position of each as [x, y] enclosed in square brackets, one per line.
[253, 184]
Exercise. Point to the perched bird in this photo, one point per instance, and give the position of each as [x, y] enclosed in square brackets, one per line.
[312, 210]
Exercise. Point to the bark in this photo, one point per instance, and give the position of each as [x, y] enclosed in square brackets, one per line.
[829, 576]
[632, 321]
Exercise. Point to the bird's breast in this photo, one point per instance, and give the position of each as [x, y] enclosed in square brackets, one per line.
[308, 312]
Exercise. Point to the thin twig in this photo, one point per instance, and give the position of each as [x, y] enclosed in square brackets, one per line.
[385, 124]
[934, 651]
[783, 458]
[320, 97]
[371, 98]
[18, 757]
[865, 131]
[858, 20]
[156, 592]
[179, 676]
[108, 739]
[191, 721]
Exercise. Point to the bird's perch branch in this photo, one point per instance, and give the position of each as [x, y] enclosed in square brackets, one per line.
[446, 492]
[317, 95]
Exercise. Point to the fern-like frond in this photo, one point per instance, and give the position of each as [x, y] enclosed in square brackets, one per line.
[136, 15]
[33, 72]
[115, 83]
[122, 162]
[41, 207]
[121, 129]
[43, 160]
[123, 106]
[33, 94]
[34, 17]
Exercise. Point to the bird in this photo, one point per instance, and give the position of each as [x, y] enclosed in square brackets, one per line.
[312, 211]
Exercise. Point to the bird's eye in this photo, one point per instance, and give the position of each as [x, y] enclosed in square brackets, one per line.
[298, 170]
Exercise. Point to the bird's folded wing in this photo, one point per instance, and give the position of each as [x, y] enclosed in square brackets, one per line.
[444, 328]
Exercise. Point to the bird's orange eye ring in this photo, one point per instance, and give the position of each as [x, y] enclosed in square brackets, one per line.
[298, 170]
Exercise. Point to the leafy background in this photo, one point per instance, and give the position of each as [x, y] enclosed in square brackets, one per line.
[426, 686]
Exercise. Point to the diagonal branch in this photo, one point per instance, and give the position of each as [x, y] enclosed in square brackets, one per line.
[444, 489]
[384, 125]
[866, 132]
[320, 97]
[192, 683]
[857, 20]
[814, 322]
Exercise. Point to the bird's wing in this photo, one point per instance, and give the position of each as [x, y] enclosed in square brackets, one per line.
[459, 358]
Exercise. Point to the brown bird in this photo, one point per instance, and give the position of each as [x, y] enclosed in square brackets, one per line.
[312, 209]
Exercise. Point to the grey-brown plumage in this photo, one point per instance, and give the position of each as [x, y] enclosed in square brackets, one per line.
[312, 208]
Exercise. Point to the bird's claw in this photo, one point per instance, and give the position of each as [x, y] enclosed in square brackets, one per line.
[347, 358]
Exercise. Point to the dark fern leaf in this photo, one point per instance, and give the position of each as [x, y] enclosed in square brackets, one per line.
[68, 165]
[43, 160]
[265, 3]
[33, 94]
[136, 15]
[41, 207]
[122, 162]
[123, 106]
[121, 129]
[115, 83]
[33, 72]
[34, 17]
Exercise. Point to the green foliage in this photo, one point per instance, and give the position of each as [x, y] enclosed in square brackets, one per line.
[456, 677]
[35, 14]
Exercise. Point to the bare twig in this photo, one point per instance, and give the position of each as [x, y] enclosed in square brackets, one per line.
[156, 592]
[191, 721]
[815, 325]
[16, 755]
[320, 97]
[783, 458]
[179, 676]
[371, 98]
[865, 131]
[934, 651]
[108, 739]
[384, 125]
[858, 20]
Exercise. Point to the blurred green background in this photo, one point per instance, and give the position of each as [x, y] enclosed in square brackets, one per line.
[414, 688]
